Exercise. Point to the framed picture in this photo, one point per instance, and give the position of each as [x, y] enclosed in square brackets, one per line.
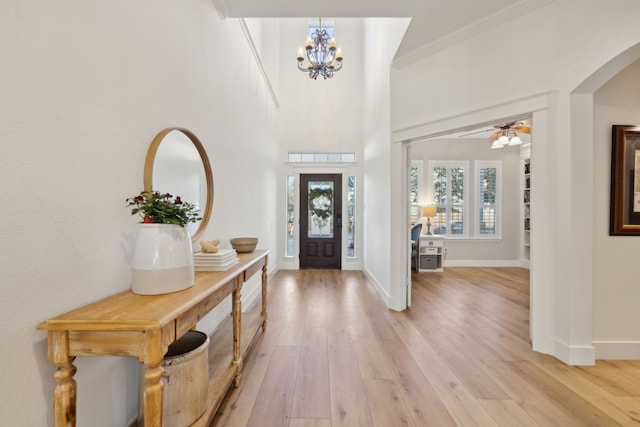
[625, 181]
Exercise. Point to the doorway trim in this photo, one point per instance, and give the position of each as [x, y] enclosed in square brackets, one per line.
[344, 169]
[541, 267]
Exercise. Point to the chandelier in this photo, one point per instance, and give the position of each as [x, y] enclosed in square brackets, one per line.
[323, 59]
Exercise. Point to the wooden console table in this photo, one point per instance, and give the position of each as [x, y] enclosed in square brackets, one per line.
[126, 324]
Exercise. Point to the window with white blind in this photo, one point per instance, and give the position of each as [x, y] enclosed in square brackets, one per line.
[488, 177]
[415, 181]
[449, 184]
[462, 196]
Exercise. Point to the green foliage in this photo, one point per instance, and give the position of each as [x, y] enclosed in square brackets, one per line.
[440, 185]
[157, 208]
[413, 184]
[457, 185]
[488, 181]
[321, 202]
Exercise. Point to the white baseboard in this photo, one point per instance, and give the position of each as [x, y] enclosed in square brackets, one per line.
[288, 264]
[351, 264]
[482, 263]
[256, 290]
[381, 291]
[574, 355]
[248, 298]
[617, 350]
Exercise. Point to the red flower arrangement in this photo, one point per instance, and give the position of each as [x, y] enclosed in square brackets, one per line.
[158, 208]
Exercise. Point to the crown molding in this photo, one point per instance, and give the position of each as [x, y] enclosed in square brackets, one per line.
[516, 10]
[222, 8]
[256, 56]
[509, 110]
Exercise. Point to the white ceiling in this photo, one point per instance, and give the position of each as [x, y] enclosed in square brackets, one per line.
[433, 22]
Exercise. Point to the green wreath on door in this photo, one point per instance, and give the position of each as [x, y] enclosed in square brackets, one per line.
[321, 202]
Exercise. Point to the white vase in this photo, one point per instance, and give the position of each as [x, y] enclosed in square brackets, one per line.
[162, 260]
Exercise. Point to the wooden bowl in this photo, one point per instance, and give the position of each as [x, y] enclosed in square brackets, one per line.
[244, 244]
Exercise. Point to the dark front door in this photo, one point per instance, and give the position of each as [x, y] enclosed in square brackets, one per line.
[320, 221]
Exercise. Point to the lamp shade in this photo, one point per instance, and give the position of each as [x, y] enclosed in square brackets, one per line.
[429, 211]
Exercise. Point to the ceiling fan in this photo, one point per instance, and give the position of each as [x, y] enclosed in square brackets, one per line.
[521, 126]
[507, 134]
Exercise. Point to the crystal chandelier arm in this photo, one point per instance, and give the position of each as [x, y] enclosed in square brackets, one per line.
[300, 67]
[312, 57]
[329, 57]
[322, 56]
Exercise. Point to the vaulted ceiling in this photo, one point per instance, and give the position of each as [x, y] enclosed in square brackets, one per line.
[434, 23]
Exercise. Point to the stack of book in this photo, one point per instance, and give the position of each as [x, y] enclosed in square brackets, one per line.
[219, 261]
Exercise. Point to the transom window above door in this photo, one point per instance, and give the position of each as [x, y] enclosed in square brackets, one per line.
[299, 157]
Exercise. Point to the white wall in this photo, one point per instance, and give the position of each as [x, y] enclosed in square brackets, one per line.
[473, 252]
[320, 116]
[382, 254]
[264, 36]
[615, 288]
[85, 88]
[509, 61]
[533, 63]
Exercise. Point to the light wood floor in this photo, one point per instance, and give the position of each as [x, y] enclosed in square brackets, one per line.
[334, 355]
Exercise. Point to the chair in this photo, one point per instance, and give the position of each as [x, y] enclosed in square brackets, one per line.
[415, 245]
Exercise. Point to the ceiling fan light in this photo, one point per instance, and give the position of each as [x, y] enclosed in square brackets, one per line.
[504, 140]
[515, 141]
[497, 144]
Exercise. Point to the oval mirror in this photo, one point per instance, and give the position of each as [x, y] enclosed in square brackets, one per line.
[176, 163]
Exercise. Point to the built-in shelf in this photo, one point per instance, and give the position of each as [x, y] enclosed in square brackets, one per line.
[525, 162]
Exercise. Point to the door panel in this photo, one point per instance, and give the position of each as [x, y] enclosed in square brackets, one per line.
[320, 221]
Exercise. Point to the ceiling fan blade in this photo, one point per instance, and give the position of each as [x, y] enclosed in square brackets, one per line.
[494, 136]
[522, 129]
[474, 132]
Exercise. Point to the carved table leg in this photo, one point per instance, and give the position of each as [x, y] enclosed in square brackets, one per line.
[64, 395]
[152, 394]
[264, 294]
[236, 312]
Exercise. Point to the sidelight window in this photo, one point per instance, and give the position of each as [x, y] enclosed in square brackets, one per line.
[291, 215]
[351, 216]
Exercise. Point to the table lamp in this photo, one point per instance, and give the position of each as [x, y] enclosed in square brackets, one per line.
[429, 212]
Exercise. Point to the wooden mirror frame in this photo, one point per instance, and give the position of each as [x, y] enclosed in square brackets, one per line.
[148, 172]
